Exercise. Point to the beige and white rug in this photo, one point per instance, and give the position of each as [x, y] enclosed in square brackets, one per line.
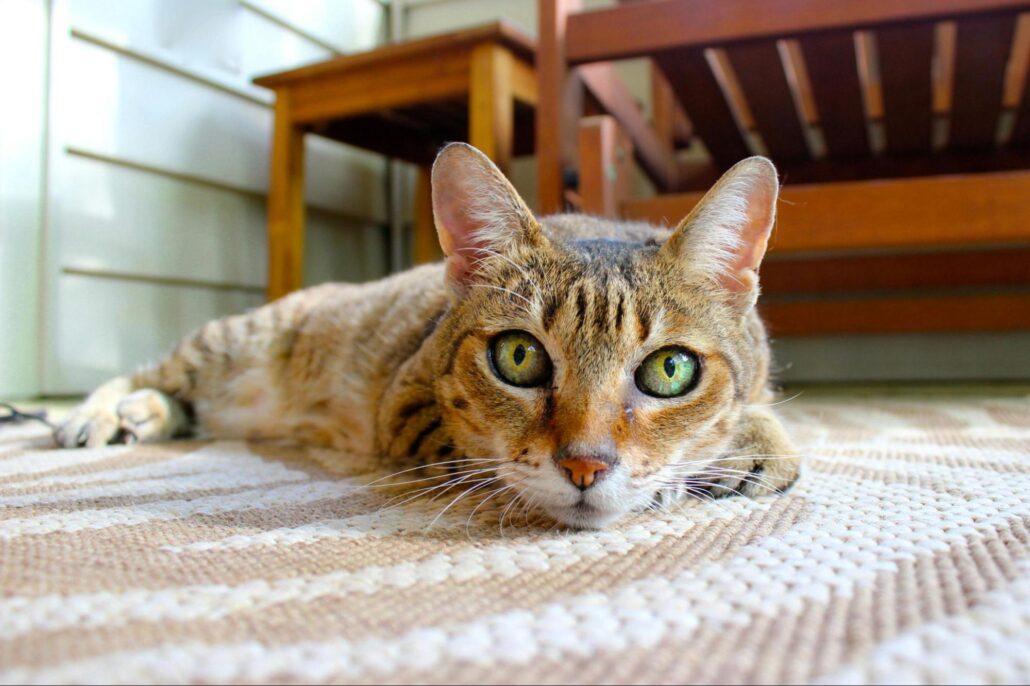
[902, 555]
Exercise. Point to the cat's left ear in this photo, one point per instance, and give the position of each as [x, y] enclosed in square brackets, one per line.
[723, 239]
[477, 212]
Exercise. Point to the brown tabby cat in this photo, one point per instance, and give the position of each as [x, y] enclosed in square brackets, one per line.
[596, 367]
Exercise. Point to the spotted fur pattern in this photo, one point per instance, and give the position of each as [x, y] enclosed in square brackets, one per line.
[397, 370]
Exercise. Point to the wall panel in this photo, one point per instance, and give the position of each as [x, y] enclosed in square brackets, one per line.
[23, 31]
[344, 251]
[125, 220]
[213, 37]
[344, 25]
[114, 106]
[105, 327]
[904, 357]
[158, 166]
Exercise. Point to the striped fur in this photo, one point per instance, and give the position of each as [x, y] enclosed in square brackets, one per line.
[396, 371]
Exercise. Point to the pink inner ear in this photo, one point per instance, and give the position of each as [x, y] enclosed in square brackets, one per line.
[476, 211]
[453, 181]
[754, 239]
[452, 223]
[456, 232]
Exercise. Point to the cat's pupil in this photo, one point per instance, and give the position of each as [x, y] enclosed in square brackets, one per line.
[670, 367]
[519, 355]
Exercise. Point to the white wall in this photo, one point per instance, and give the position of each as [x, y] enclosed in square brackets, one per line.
[23, 44]
[157, 165]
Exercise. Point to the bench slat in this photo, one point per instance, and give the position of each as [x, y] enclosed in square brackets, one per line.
[697, 90]
[833, 70]
[760, 72]
[981, 54]
[906, 56]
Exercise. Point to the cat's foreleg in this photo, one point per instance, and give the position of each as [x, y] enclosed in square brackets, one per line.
[204, 379]
[150, 405]
[761, 461]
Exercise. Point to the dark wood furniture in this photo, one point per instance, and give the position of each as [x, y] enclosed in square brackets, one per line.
[901, 130]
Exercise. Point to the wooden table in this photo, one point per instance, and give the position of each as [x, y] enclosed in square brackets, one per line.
[403, 100]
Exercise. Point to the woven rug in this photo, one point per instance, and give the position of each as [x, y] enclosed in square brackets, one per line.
[902, 555]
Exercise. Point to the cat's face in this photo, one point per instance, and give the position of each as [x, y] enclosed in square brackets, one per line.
[598, 372]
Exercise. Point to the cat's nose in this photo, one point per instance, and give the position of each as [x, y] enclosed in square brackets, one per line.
[583, 472]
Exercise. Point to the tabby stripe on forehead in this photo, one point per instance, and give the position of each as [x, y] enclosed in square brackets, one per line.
[601, 317]
[626, 269]
[643, 320]
[581, 306]
[619, 312]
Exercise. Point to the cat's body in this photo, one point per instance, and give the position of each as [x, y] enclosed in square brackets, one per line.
[404, 370]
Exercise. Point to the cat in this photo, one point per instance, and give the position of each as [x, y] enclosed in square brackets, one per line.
[596, 367]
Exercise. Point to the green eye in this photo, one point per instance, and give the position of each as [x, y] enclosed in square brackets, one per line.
[668, 372]
[519, 359]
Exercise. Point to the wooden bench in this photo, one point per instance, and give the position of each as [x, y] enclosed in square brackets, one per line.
[901, 130]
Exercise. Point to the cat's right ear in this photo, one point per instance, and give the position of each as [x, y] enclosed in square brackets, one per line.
[477, 212]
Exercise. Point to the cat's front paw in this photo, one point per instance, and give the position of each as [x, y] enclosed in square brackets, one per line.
[754, 476]
[114, 416]
[88, 426]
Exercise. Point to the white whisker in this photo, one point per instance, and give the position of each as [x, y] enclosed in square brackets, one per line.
[508, 291]
[461, 495]
[778, 402]
[425, 466]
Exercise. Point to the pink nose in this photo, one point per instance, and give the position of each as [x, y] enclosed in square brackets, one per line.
[582, 471]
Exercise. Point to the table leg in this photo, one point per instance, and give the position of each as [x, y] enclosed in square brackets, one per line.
[426, 246]
[605, 166]
[286, 203]
[491, 104]
[558, 107]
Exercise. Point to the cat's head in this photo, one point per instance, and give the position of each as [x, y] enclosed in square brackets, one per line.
[598, 371]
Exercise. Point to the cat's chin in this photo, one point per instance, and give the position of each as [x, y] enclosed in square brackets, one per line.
[583, 516]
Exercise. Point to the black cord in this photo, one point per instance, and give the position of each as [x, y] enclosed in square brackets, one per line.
[16, 416]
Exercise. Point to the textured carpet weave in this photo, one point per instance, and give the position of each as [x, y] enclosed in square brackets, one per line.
[903, 554]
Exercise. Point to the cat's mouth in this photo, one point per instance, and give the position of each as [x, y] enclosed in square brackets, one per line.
[583, 515]
[594, 507]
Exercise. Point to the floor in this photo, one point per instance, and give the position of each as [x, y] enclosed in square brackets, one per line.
[901, 556]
